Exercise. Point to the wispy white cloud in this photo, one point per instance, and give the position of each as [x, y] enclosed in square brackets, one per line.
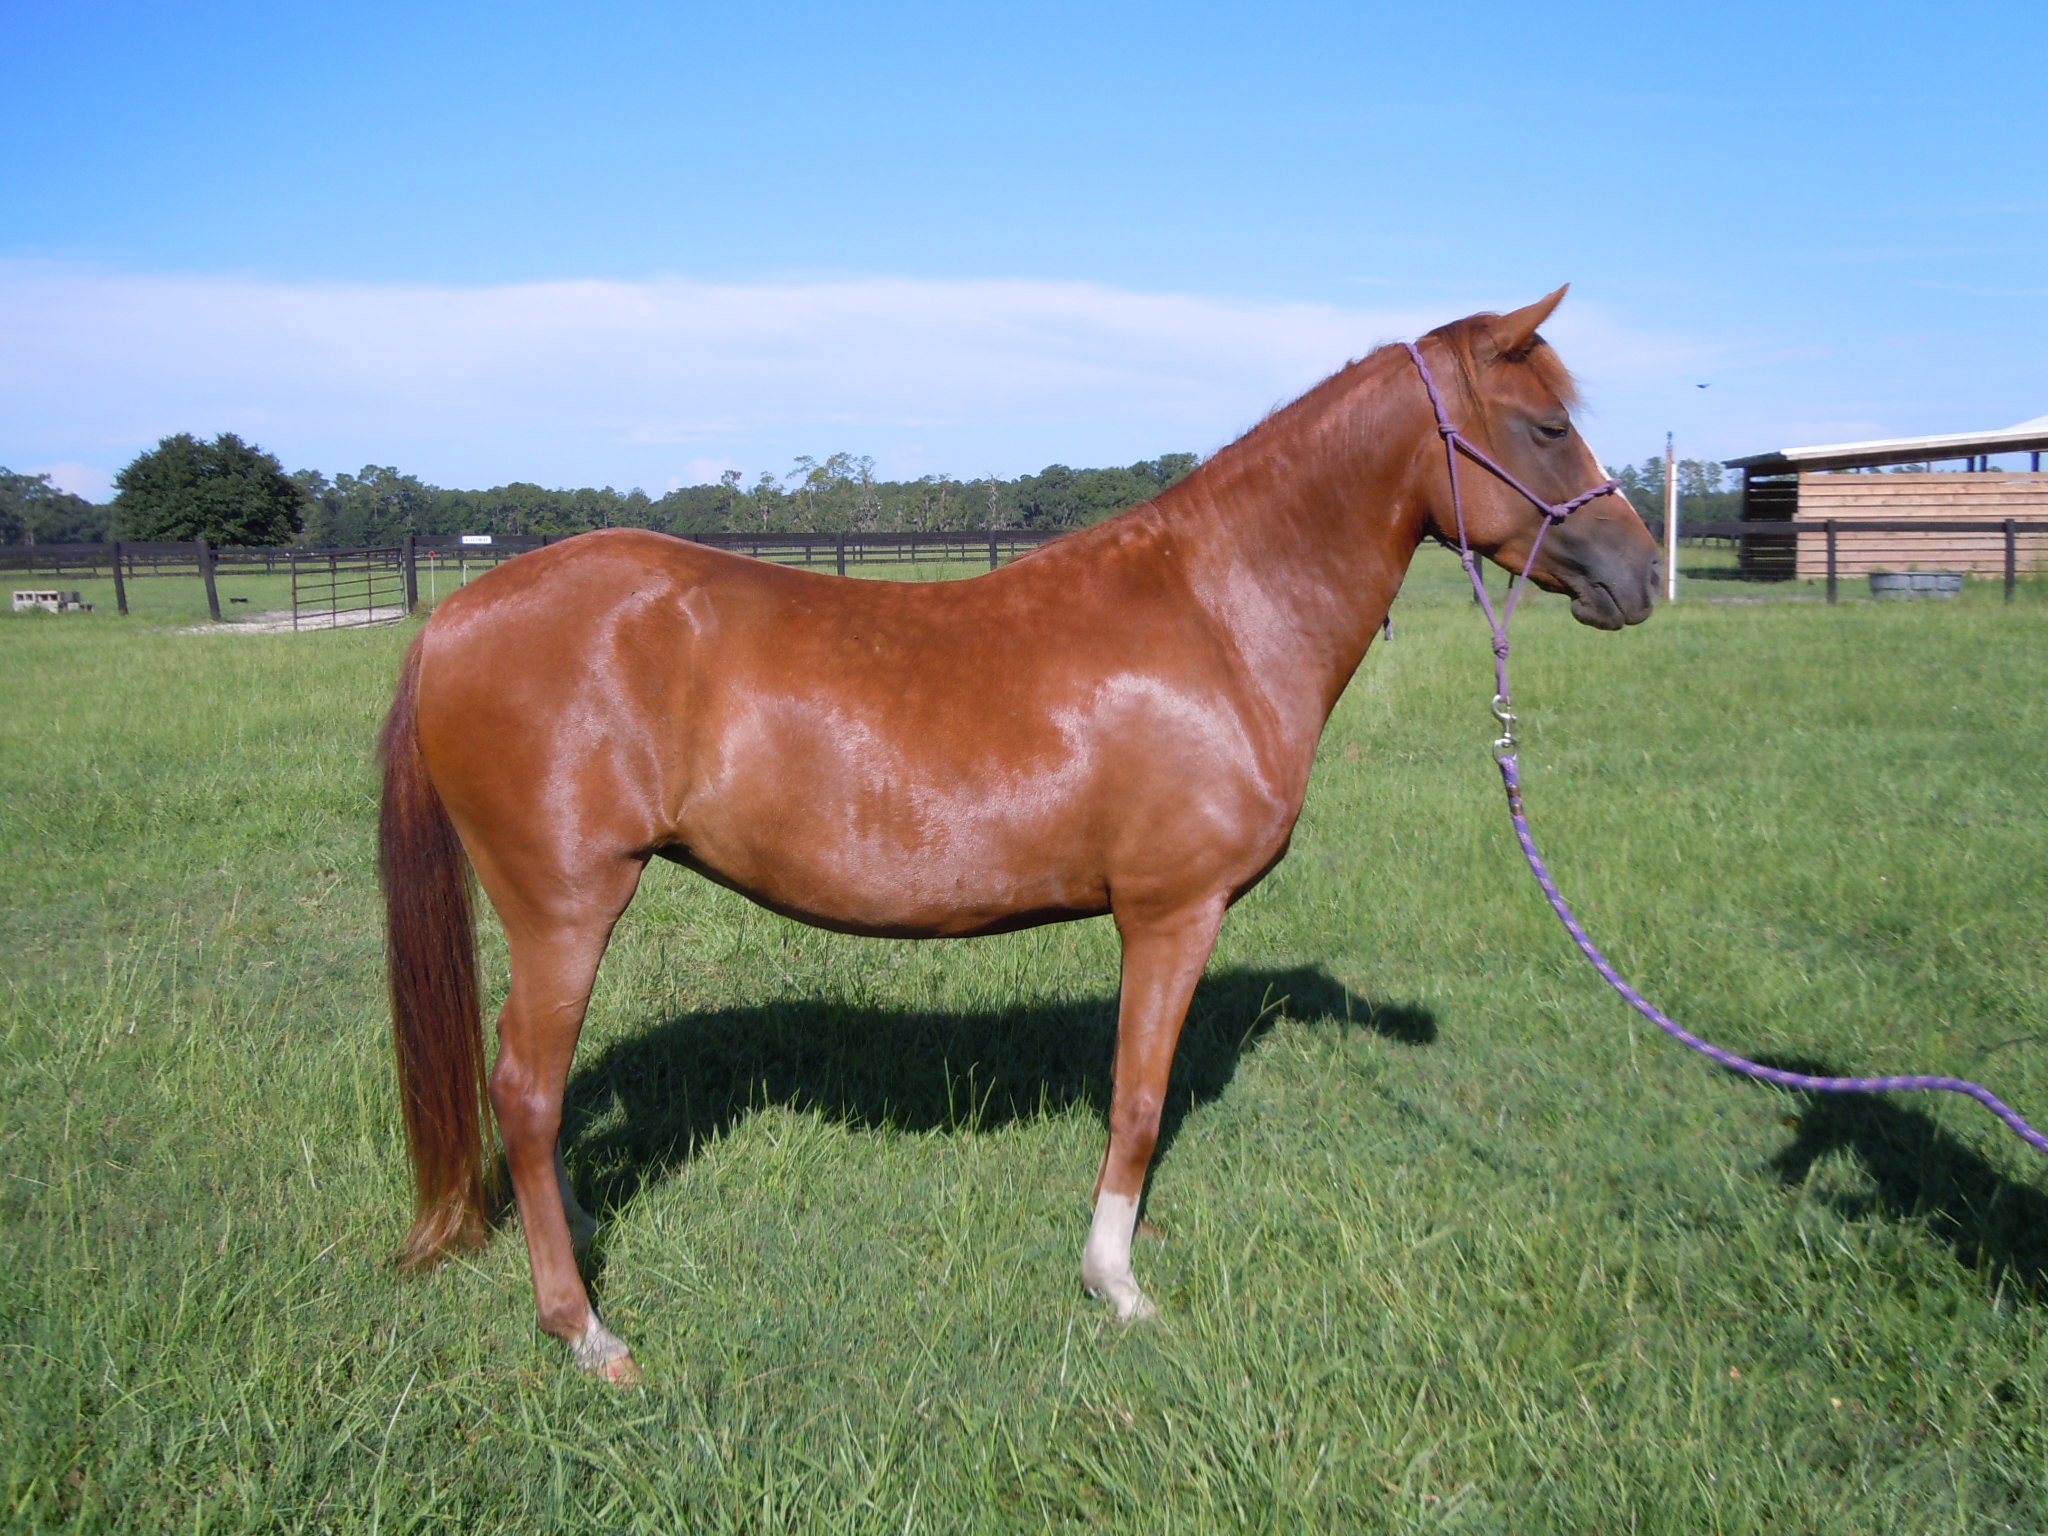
[86, 480]
[669, 381]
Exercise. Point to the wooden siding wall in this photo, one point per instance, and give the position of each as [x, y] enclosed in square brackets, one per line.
[1917, 497]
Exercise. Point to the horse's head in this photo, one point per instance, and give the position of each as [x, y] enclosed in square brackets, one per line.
[1510, 396]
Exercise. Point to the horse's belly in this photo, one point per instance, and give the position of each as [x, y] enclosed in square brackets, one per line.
[927, 802]
[872, 884]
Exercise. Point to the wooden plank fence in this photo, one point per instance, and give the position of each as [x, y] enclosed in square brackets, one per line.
[837, 551]
[2004, 547]
[1922, 517]
[1808, 546]
[127, 559]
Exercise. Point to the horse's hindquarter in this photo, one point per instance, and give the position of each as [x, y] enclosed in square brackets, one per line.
[896, 758]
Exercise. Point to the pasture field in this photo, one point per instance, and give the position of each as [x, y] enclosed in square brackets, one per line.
[1447, 1240]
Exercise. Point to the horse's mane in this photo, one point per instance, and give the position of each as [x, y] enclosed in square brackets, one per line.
[1460, 338]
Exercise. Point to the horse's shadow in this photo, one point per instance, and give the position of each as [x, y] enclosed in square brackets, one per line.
[1918, 1171]
[640, 1108]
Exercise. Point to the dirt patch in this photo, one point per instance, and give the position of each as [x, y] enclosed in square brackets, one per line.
[281, 621]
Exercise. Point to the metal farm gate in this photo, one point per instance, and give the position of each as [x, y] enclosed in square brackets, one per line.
[347, 588]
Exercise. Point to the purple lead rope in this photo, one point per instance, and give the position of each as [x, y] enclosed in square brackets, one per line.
[1456, 443]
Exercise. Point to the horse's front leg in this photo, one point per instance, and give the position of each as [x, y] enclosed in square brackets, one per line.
[1164, 953]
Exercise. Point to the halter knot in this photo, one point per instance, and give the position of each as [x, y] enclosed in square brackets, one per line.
[1565, 509]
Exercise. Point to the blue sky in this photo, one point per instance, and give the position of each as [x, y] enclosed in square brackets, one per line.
[634, 245]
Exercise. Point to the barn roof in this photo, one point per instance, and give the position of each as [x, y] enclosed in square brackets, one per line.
[1899, 450]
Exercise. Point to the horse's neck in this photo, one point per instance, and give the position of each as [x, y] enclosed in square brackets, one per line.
[1303, 532]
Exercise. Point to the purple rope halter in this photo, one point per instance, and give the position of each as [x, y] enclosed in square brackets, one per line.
[1455, 443]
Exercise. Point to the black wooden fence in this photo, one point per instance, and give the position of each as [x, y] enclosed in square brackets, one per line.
[834, 550]
[357, 578]
[1768, 552]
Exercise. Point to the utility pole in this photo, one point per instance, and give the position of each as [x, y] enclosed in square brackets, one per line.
[1670, 521]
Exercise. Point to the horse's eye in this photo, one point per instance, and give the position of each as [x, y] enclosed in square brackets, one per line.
[1552, 431]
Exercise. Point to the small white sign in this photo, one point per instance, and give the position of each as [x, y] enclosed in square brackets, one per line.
[476, 538]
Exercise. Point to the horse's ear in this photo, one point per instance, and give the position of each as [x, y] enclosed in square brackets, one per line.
[1512, 335]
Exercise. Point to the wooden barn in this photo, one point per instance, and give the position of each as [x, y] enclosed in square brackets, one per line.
[1906, 480]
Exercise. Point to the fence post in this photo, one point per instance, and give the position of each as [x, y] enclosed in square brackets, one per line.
[842, 554]
[206, 574]
[2012, 559]
[120, 586]
[1831, 559]
[412, 572]
[991, 549]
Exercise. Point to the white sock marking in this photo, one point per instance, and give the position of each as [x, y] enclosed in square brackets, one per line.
[1106, 1261]
[598, 1347]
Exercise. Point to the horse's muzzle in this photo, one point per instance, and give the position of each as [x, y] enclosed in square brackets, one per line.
[1612, 578]
[1608, 586]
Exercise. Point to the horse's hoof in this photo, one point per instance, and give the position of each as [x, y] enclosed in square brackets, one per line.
[620, 1371]
[1132, 1305]
[603, 1354]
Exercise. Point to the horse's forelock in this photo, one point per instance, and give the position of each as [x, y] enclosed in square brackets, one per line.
[1460, 338]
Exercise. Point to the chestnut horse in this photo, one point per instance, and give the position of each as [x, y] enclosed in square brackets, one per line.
[1120, 722]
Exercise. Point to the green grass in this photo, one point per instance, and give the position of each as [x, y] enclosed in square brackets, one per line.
[1450, 1241]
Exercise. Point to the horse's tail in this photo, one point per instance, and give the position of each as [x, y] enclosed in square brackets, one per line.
[436, 1009]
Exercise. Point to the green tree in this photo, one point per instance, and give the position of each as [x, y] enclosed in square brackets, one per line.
[1705, 493]
[765, 504]
[226, 491]
[1048, 499]
[867, 497]
[33, 511]
[320, 504]
[376, 505]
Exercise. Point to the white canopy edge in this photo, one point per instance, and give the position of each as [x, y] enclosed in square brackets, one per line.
[1952, 445]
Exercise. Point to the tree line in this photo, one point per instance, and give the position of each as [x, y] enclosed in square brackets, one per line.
[1707, 492]
[234, 493]
[231, 492]
[33, 511]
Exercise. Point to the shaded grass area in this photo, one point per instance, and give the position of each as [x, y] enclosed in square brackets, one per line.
[1445, 1240]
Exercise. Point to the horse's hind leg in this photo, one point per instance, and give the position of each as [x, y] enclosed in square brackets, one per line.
[1164, 953]
[555, 950]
